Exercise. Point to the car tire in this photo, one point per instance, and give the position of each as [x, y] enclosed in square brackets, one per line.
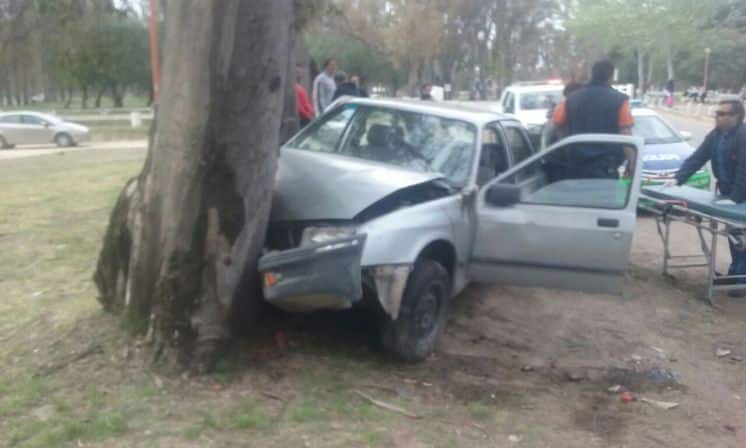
[4, 143]
[422, 315]
[64, 140]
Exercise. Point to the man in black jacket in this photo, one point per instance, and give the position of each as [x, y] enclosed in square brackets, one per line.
[725, 149]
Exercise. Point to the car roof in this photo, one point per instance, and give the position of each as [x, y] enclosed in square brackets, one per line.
[25, 112]
[535, 88]
[455, 111]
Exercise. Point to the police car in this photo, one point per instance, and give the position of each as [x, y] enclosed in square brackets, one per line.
[665, 150]
[530, 102]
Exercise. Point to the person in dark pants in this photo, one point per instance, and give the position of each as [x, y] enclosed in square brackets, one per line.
[345, 86]
[725, 148]
[597, 108]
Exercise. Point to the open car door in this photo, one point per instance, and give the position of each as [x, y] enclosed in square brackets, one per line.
[563, 218]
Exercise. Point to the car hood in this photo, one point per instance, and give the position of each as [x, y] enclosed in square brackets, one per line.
[314, 186]
[533, 117]
[665, 156]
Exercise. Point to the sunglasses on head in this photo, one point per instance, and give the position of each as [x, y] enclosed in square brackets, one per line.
[722, 113]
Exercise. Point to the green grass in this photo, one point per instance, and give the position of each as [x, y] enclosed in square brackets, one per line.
[53, 213]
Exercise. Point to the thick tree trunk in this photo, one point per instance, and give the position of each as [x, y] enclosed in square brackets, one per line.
[184, 238]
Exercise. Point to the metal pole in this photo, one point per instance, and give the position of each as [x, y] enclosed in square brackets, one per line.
[154, 59]
[707, 67]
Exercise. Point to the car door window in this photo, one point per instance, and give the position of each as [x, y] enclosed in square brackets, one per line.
[493, 158]
[588, 175]
[10, 119]
[509, 106]
[519, 148]
[32, 120]
[325, 136]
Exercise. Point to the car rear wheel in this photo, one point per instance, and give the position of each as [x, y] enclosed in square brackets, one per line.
[4, 143]
[422, 315]
[64, 140]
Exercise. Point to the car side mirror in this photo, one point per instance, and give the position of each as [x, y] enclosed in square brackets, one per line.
[503, 195]
[686, 135]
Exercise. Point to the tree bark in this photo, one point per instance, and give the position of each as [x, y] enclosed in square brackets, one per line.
[84, 97]
[183, 241]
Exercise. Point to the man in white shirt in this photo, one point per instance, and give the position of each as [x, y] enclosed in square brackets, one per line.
[324, 87]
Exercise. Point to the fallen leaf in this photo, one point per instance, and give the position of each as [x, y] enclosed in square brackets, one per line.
[614, 389]
[721, 352]
[514, 438]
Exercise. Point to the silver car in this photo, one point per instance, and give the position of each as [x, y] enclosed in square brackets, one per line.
[396, 206]
[35, 128]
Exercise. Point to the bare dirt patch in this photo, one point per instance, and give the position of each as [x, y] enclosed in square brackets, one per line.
[517, 367]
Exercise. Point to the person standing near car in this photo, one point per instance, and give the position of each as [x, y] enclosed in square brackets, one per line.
[725, 148]
[303, 106]
[597, 108]
[324, 87]
[345, 86]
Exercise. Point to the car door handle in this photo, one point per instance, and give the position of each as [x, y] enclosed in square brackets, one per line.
[608, 222]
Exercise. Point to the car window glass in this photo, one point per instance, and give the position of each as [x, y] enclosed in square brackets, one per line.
[517, 144]
[509, 104]
[540, 100]
[324, 136]
[590, 175]
[492, 157]
[10, 119]
[30, 119]
[416, 141]
[653, 130]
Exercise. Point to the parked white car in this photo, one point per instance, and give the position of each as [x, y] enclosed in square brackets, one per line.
[35, 128]
[396, 206]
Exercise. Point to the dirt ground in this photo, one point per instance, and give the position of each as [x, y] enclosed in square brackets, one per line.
[517, 367]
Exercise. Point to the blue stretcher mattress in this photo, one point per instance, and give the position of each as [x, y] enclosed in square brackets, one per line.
[700, 200]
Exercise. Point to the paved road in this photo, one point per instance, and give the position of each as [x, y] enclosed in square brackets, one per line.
[40, 150]
[697, 126]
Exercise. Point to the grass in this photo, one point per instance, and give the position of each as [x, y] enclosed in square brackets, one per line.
[53, 212]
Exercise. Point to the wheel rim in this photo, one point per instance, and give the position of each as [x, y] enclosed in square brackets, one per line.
[63, 140]
[427, 310]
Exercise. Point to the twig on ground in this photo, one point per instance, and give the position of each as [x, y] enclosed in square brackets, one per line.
[387, 406]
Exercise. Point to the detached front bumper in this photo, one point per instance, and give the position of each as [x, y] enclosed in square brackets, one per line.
[315, 277]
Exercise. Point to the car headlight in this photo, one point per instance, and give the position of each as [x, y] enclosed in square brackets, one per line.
[317, 235]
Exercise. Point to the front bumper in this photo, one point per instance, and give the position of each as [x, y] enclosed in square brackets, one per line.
[701, 179]
[314, 277]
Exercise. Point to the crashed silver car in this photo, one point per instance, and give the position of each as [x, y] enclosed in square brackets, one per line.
[398, 205]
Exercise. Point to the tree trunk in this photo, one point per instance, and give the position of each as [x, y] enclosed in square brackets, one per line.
[83, 97]
[69, 99]
[99, 95]
[117, 96]
[183, 241]
[640, 72]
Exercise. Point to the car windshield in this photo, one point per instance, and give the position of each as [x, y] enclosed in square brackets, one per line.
[540, 100]
[654, 130]
[420, 142]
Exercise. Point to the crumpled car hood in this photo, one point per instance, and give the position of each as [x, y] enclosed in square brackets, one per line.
[314, 186]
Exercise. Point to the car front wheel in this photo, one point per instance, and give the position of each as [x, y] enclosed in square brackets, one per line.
[64, 140]
[422, 315]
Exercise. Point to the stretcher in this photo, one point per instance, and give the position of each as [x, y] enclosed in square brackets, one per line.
[697, 208]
